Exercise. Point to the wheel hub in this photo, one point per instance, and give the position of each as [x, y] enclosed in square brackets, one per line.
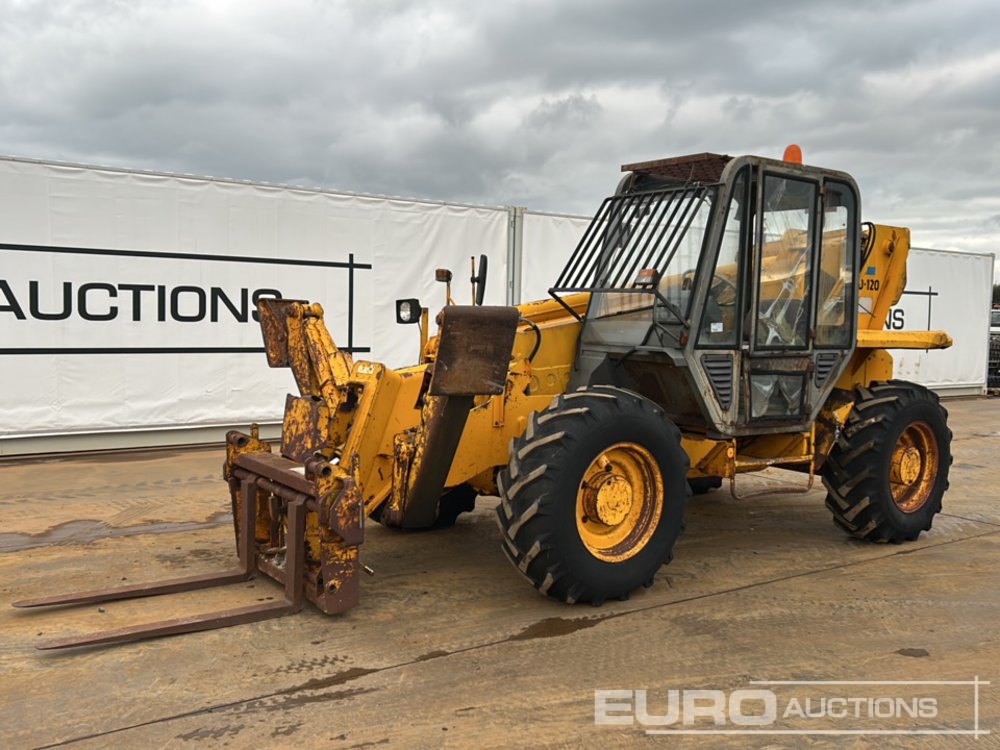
[906, 465]
[913, 467]
[610, 500]
[619, 502]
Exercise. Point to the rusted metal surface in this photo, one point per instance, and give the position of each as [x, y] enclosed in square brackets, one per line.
[238, 444]
[445, 418]
[273, 315]
[171, 586]
[306, 427]
[333, 530]
[295, 337]
[293, 580]
[473, 359]
[298, 352]
[245, 511]
[168, 627]
[704, 167]
[267, 465]
[339, 503]
[404, 447]
[341, 516]
[475, 347]
[193, 624]
[270, 494]
[241, 444]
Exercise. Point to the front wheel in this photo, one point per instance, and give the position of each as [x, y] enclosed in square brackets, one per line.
[888, 470]
[593, 498]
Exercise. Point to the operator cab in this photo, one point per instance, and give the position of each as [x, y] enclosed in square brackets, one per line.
[722, 288]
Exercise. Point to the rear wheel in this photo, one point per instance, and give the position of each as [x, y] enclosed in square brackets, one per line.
[889, 468]
[453, 503]
[593, 498]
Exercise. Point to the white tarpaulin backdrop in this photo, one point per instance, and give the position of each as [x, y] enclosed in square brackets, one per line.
[549, 240]
[946, 292]
[127, 299]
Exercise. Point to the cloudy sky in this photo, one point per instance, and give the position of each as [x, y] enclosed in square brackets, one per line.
[527, 103]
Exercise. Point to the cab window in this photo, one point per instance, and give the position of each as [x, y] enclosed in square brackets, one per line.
[720, 318]
[784, 263]
[834, 281]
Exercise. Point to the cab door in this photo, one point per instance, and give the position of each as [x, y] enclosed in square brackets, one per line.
[802, 319]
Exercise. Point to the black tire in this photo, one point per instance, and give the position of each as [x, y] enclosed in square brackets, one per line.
[859, 474]
[453, 503]
[539, 490]
[702, 485]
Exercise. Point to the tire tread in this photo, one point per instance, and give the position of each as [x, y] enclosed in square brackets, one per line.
[527, 486]
[855, 497]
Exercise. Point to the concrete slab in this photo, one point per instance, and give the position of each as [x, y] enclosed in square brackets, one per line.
[450, 647]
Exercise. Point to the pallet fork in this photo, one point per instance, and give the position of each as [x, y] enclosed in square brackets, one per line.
[254, 475]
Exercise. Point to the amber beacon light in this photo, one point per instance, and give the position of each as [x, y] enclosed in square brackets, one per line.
[793, 154]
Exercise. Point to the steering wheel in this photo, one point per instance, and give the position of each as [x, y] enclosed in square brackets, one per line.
[776, 328]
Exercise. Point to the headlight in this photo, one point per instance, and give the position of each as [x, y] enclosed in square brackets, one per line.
[408, 311]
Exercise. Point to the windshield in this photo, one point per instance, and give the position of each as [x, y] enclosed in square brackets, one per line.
[995, 319]
[649, 251]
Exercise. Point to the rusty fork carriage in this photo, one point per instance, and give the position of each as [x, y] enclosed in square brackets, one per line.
[271, 498]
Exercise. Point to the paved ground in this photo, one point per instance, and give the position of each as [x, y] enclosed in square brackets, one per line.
[450, 647]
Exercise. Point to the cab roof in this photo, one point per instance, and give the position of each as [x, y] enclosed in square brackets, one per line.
[705, 168]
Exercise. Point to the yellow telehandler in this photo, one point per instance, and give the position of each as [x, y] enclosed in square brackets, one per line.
[720, 315]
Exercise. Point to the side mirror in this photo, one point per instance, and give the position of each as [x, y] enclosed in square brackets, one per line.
[408, 311]
[479, 280]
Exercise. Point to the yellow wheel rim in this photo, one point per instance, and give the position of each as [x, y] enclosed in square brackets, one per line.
[914, 467]
[619, 502]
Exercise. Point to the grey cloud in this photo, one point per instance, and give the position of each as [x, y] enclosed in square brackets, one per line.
[570, 111]
[531, 103]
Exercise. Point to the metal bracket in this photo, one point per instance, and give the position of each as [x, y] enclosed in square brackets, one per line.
[807, 458]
